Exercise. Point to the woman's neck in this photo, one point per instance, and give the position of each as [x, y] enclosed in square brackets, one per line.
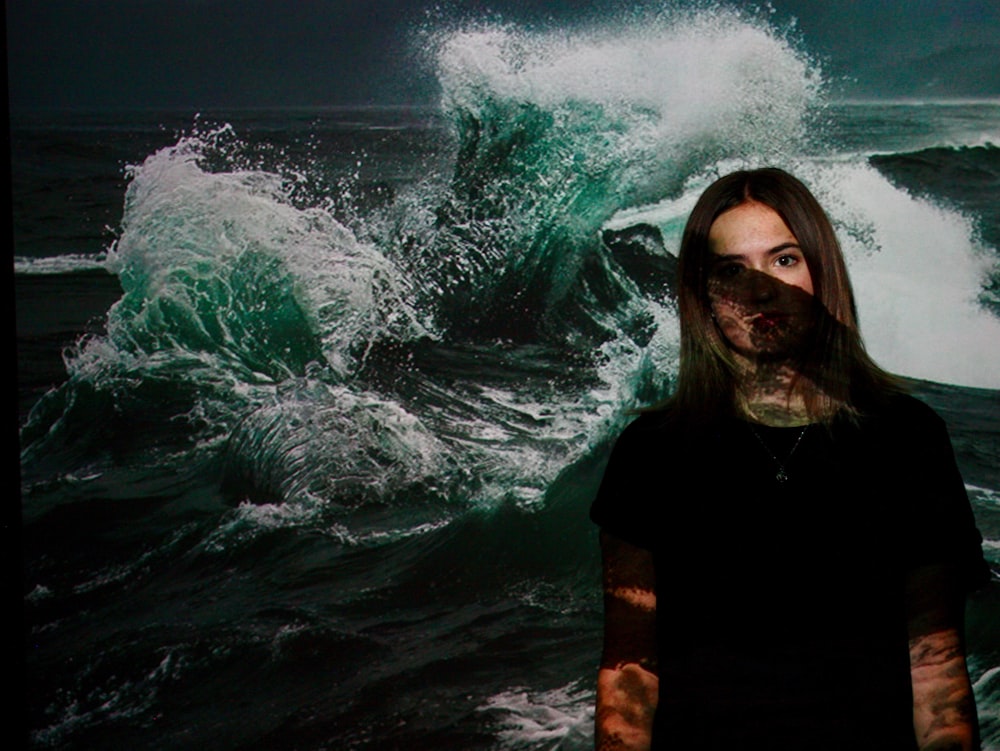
[774, 394]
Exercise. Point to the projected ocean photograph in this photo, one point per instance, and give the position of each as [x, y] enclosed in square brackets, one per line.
[314, 395]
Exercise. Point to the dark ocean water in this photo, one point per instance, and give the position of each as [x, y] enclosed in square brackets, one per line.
[313, 403]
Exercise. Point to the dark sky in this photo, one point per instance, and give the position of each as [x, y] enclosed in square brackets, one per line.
[244, 53]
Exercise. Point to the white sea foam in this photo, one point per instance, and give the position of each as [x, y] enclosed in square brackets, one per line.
[680, 83]
[983, 495]
[382, 536]
[917, 271]
[38, 594]
[68, 263]
[987, 692]
[119, 701]
[558, 719]
[185, 226]
[991, 676]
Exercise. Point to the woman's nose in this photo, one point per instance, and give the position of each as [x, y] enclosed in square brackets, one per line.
[763, 286]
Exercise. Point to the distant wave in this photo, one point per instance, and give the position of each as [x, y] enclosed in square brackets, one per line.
[64, 264]
[970, 167]
[963, 177]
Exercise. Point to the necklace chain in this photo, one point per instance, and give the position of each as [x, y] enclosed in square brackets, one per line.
[781, 475]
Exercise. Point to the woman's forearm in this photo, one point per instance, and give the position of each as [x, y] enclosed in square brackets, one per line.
[628, 687]
[944, 709]
[626, 702]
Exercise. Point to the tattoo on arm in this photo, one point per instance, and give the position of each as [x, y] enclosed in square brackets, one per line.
[944, 709]
[627, 683]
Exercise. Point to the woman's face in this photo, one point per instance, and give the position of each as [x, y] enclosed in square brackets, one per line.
[760, 289]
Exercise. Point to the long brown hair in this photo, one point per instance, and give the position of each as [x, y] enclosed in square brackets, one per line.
[835, 359]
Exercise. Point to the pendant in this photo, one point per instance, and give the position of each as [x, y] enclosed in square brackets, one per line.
[781, 476]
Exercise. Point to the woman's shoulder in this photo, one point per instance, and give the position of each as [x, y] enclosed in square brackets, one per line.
[668, 432]
[652, 418]
[903, 412]
[902, 425]
[648, 430]
[658, 423]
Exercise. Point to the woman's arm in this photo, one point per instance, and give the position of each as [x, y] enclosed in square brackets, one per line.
[627, 683]
[944, 709]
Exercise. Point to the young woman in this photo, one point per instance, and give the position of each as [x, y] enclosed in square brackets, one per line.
[786, 542]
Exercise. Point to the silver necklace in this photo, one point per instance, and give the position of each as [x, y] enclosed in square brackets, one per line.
[781, 475]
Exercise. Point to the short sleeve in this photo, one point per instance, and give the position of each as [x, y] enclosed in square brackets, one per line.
[623, 506]
[937, 519]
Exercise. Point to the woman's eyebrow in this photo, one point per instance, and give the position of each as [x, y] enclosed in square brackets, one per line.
[783, 247]
[717, 257]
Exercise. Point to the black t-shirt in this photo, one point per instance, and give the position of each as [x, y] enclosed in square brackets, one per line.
[780, 612]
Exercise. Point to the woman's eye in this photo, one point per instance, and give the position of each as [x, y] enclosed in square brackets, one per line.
[728, 270]
[787, 260]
